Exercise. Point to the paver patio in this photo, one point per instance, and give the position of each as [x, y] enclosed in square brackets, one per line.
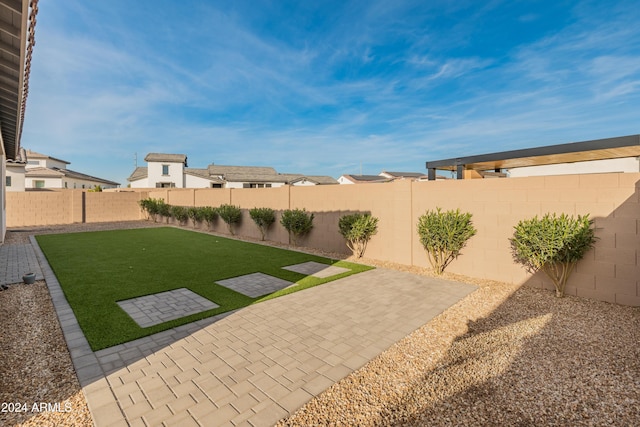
[316, 269]
[258, 364]
[153, 309]
[255, 284]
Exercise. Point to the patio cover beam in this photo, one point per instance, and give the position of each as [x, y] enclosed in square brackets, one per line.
[598, 149]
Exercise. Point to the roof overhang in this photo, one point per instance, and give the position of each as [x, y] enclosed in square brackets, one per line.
[598, 149]
[13, 59]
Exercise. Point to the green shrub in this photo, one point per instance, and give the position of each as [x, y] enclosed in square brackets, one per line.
[297, 222]
[195, 214]
[358, 229]
[553, 244]
[153, 208]
[180, 214]
[264, 218]
[443, 235]
[231, 215]
[209, 214]
[164, 210]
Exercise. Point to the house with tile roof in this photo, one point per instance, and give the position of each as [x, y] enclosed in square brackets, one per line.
[172, 171]
[32, 170]
[403, 175]
[384, 176]
[363, 179]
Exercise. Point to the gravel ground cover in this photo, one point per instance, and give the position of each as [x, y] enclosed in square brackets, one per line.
[502, 356]
[36, 368]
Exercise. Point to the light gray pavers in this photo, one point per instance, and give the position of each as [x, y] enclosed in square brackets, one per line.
[255, 285]
[158, 308]
[255, 365]
[316, 269]
[15, 261]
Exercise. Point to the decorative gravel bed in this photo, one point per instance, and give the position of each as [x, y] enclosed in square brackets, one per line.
[38, 386]
[501, 356]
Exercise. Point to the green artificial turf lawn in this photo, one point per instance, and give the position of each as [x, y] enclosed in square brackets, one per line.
[97, 269]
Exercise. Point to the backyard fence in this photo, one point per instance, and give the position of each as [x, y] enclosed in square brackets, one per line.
[610, 272]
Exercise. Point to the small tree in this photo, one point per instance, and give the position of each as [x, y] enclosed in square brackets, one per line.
[209, 214]
[358, 229]
[443, 235]
[164, 209]
[231, 215]
[196, 215]
[152, 207]
[180, 213]
[297, 222]
[553, 244]
[264, 218]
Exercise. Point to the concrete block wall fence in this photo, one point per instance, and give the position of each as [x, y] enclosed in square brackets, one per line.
[610, 272]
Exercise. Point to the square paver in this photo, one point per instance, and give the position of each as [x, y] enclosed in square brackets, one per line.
[316, 269]
[256, 284]
[158, 308]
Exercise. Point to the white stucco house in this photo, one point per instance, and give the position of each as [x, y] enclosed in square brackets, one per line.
[383, 176]
[172, 171]
[32, 170]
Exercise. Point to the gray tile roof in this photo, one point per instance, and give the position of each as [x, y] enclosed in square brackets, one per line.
[367, 178]
[162, 157]
[35, 155]
[140, 172]
[79, 175]
[59, 173]
[43, 172]
[202, 173]
[405, 174]
[317, 179]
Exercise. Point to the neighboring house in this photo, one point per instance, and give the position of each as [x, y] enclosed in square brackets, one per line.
[403, 175]
[171, 171]
[362, 179]
[38, 171]
[15, 175]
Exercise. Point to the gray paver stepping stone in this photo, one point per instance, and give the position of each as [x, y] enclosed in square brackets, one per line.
[316, 269]
[158, 308]
[255, 284]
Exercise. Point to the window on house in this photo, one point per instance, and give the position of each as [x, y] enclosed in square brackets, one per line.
[165, 169]
[255, 185]
[7, 181]
[216, 185]
[66, 184]
[38, 183]
[165, 185]
[82, 185]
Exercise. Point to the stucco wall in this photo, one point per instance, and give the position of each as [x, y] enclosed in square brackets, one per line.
[610, 272]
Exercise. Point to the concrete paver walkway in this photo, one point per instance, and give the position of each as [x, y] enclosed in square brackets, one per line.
[15, 261]
[258, 364]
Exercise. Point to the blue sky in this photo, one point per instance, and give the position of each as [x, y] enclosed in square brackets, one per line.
[329, 87]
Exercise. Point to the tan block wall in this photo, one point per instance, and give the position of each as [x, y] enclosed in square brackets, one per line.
[105, 207]
[610, 272]
[39, 208]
